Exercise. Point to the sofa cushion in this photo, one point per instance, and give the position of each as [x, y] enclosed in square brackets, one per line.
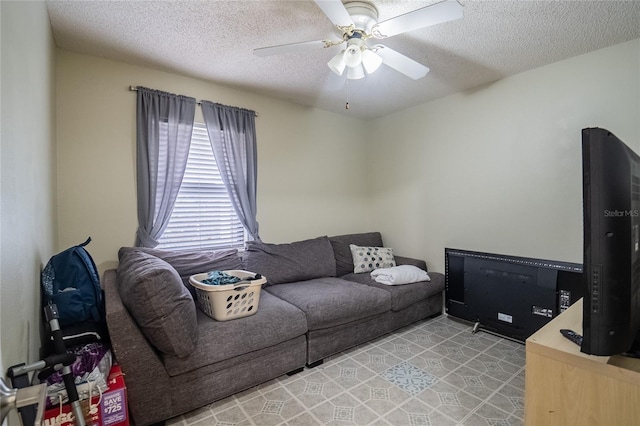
[328, 302]
[276, 321]
[297, 261]
[366, 259]
[153, 292]
[342, 252]
[405, 295]
[191, 262]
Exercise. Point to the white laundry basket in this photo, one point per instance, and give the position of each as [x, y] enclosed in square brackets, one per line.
[229, 301]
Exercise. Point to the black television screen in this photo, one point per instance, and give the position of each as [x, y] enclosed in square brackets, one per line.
[509, 295]
[611, 208]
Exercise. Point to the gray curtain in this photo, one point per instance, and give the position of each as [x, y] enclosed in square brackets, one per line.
[232, 133]
[164, 127]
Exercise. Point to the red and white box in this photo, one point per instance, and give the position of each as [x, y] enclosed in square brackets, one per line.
[110, 409]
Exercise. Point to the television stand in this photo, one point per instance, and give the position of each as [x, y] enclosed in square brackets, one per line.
[477, 326]
[564, 386]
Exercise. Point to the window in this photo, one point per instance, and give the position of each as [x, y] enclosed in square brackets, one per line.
[203, 217]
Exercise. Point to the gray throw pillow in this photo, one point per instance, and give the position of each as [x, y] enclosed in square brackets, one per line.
[297, 261]
[154, 294]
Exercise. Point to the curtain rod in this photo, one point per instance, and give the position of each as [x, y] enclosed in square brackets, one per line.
[135, 89]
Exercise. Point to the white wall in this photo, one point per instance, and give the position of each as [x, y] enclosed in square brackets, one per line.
[27, 230]
[311, 175]
[498, 169]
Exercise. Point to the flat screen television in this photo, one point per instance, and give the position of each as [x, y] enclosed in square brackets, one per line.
[611, 209]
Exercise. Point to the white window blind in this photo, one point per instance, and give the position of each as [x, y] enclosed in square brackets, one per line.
[203, 217]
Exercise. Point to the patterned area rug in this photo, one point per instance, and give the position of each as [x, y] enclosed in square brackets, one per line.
[435, 372]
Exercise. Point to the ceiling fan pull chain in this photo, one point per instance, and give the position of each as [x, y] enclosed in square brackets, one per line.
[346, 105]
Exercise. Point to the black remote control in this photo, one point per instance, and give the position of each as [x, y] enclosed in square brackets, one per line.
[572, 335]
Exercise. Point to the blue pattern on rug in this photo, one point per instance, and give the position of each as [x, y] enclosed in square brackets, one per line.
[409, 378]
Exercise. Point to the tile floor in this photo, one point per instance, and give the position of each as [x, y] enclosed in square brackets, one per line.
[435, 372]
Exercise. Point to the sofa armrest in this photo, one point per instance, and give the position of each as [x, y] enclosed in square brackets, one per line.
[144, 371]
[401, 260]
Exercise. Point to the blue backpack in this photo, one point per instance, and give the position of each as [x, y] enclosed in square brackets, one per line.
[71, 281]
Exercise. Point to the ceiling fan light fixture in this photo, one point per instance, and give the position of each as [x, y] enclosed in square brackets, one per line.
[337, 63]
[353, 55]
[355, 73]
[371, 61]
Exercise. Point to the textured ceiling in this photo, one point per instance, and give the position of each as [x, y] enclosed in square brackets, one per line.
[214, 40]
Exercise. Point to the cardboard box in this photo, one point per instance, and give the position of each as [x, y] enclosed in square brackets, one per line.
[111, 411]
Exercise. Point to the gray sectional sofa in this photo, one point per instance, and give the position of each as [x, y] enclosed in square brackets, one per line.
[176, 359]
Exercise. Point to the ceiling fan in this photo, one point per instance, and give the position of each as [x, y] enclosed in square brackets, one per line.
[357, 23]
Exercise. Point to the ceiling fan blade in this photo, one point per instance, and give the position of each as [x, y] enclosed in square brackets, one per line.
[401, 63]
[335, 11]
[290, 48]
[445, 11]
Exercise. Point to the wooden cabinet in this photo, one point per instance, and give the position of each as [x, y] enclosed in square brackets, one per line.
[564, 386]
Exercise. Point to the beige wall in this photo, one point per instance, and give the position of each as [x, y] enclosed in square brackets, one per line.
[498, 169]
[311, 174]
[27, 232]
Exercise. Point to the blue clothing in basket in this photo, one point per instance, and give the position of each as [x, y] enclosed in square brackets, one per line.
[220, 278]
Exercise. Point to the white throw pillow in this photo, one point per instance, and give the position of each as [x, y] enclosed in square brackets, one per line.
[367, 259]
[403, 274]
